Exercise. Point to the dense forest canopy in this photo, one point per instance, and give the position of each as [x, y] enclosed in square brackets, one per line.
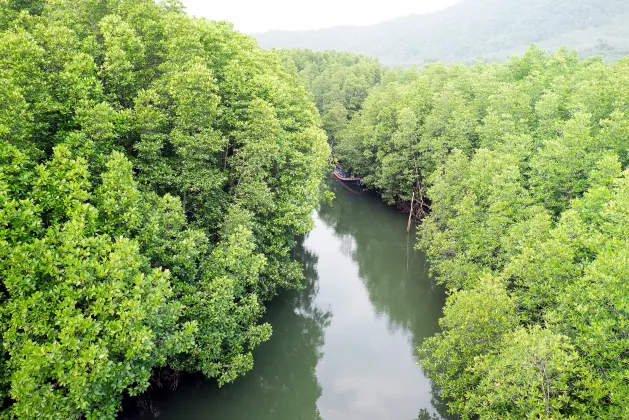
[338, 82]
[475, 30]
[523, 170]
[154, 172]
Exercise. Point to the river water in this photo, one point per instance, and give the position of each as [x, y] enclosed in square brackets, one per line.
[344, 346]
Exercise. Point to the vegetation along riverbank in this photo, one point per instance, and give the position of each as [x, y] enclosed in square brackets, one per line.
[156, 171]
[524, 167]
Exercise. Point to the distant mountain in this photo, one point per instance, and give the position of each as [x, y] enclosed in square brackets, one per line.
[477, 29]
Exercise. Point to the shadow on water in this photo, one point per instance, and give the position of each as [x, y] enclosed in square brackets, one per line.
[283, 383]
[396, 276]
[343, 346]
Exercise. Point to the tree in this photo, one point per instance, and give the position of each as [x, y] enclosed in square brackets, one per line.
[532, 377]
[155, 172]
[474, 324]
[85, 317]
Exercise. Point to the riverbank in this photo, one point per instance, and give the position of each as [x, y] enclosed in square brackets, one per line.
[344, 345]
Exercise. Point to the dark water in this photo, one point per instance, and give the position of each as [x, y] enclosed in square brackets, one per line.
[344, 347]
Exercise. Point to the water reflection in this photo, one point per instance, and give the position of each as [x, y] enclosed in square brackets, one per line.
[283, 383]
[344, 346]
[384, 306]
[395, 275]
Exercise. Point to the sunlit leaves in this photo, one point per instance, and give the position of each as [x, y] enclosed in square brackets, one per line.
[531, 377]
[154, 172]
[522, 165]
[475, 322]
[84, 316]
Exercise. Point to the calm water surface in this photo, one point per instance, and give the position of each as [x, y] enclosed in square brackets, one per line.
[344, 347]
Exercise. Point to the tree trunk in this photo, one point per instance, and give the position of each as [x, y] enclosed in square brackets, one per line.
[410, 214]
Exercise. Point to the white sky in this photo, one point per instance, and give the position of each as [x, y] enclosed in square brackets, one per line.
[264, 15]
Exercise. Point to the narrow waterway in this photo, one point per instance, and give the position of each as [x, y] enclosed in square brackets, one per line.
[343, 347]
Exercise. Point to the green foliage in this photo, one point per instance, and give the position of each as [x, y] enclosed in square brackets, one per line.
[84, 315]
[339, 83]
[531, 377]
[524, 168]
[543, 212]
[475, 204]
[155, 170]
[475, 322]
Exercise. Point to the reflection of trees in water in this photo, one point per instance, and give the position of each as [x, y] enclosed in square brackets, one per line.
[347, 245]
[283, 383]
[424, 414]
[395, 275]
[438, 404]
[285, 366]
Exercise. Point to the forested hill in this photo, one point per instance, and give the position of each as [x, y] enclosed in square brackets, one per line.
[477, 29]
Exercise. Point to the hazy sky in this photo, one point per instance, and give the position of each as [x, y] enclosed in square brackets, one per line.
[263, 15]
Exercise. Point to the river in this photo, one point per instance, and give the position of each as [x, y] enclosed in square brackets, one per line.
[344, 346]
